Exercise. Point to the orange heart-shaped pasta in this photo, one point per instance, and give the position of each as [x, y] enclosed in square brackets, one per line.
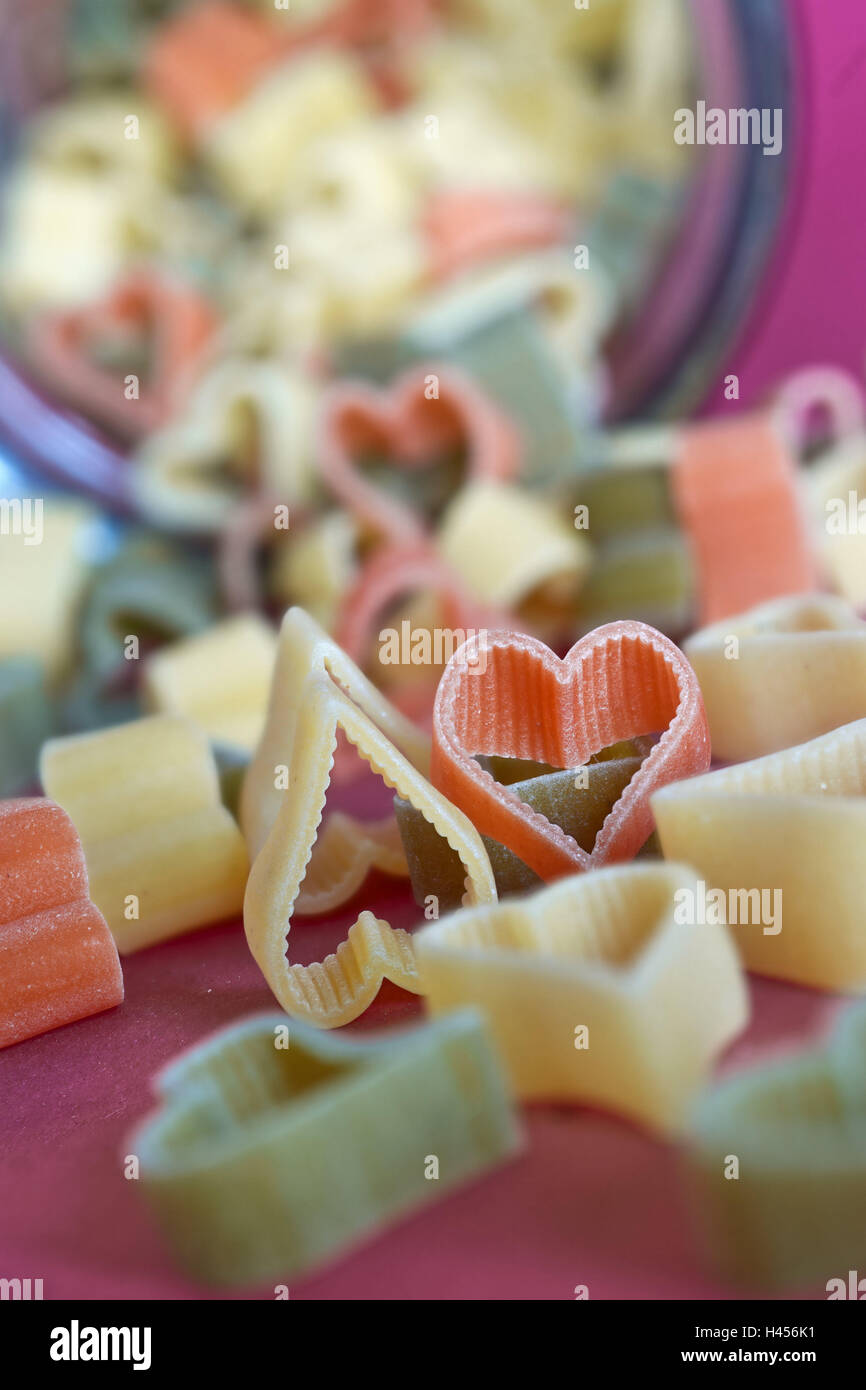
[510, 695]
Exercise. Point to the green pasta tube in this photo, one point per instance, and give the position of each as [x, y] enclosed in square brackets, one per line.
[647, 576]
[577, 800]
[621, 500]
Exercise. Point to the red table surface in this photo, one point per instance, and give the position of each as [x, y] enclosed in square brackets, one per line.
[592, 1201]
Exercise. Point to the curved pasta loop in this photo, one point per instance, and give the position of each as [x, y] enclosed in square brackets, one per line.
[821, 388]
[174, 319]
[304, 649]
[394, 571]
[343, 986]
[247, 422]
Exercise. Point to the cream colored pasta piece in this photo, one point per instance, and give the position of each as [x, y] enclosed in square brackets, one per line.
[777, 1171]
[303, 650]
[592, 33]
[43, 572]
[247, 424]
[782, 673]
[275, 1148]
[256, 148]
[595, 988]
[365, 274]
[64, 238]
[836, 488]
[105, 131]
[518, 117]
[343, 986]
[316, 567]
[220, 678]
[364, 171]
[267, 312]
[163, 854]
[568, 122]
[504, 543]
[653, 81]
[779, 843]
[473, 145]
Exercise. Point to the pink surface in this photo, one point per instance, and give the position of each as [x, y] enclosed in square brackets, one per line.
[593, 1201]
[812, 307]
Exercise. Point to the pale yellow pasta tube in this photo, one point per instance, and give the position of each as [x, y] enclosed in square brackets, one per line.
[303, 649]
[364, 274]
[220, 678]
[343, 986]
[163, 854]
[781, 838]
[780, 674]
[256, 148]
[106, 131]
[64, 238]
[505, 543]
[315, 568]
[43, 572]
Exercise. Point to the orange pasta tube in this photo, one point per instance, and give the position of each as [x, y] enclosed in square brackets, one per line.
[58, 962]
[735, 488]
